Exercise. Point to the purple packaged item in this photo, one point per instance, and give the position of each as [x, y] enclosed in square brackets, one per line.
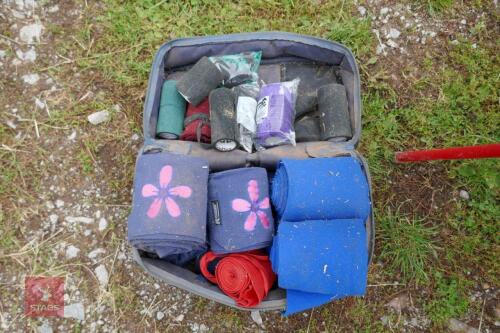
[275, 114]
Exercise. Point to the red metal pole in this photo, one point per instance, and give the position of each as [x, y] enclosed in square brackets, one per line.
[454, 153]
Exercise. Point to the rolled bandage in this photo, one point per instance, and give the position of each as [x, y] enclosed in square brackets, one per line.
[307, 129]
[334, 120]
[223, 119]
[171, 112]
[199, 81]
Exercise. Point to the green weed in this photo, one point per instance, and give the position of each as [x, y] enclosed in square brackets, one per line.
[86, 162]
[449, 299]
[8, 241]
[436, 6]
[407, 245]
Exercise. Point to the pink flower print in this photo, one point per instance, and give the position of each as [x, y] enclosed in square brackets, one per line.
[165, 194]
[254, 206]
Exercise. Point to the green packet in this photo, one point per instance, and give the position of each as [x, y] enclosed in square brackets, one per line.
[238, 68]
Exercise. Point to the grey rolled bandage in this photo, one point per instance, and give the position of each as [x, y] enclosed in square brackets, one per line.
[334, 120]
[223, 119]
[307, 129]
[199, 81]
[312, 77]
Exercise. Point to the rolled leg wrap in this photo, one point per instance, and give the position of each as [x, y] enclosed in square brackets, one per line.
[171, 112]
[334, 117]
[223, 119]
[307, 129]
[197, 123]
[197, 83]
[312, 77]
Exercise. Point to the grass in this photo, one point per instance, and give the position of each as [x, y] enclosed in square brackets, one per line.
[407, 245]
[437, 6]
[449, 299]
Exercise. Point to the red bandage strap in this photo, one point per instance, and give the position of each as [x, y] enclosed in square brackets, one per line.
[197, 123]
[245, 277]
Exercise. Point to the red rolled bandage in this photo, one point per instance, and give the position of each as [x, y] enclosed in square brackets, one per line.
[245, 277]
[197, 123]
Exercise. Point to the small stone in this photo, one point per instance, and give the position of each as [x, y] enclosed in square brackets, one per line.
[75, 310]
[94, 253]
[53, 218]
[11, 124]
[384, 11]
[31, 33]
[72, 252]
[463, 22]
[135, 137]
[393, 33]
[53, 9]
[362, 10]
[98, 117]
[485, 286]
[59, 203]
[87, 232]
[458, 326]
[103, 224]
[179, 318]
[464, 194]
[157, 286]
[44, 328]
[72, 136]
[39, 103]
[380, 49]
[474, 46]
[392, 44]
[29, 56]
[256, 317]
[50, 205]
[204, 328]
[30, 78]
[3, 53]
[160, 315]
[79, 219]
[455, 42]
[399, 303]
[102, 275]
